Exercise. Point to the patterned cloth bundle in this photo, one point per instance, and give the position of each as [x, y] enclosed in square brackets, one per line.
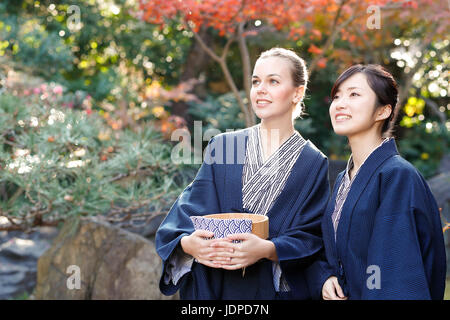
[222, 227]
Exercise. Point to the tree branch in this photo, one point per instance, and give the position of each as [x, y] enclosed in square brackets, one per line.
[208, 50]
[330, 40]
[223, 64]
[246, 67]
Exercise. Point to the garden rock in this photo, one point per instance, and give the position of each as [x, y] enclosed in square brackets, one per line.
[110, 263]
[19, 253]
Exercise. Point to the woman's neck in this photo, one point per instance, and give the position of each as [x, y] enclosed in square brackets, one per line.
[362, 146]
[274, 133]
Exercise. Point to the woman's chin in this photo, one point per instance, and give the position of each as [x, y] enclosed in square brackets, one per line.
[341, 131]
[263, 115]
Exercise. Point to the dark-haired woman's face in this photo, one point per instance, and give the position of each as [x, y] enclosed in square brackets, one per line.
[353, 109]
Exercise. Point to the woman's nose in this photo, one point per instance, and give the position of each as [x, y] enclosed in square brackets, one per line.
[340, 104]
[261, 88]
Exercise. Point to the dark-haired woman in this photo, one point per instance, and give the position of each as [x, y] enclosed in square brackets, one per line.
[255, 170]
[382, 230]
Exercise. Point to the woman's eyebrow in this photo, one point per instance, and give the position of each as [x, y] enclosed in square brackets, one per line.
[269, 75]
[351, 88]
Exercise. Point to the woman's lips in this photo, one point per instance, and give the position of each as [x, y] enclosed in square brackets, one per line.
[340, 117]
[262, 102]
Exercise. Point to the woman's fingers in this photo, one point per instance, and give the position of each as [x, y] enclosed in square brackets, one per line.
[332, 290]
[338, 289]
[328, 289]
[203, 233]
[223, 243]
[209, 263]
[232, 266]
[239, 236]
[223, 252]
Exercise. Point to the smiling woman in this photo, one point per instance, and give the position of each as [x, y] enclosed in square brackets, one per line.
[382, 215]
[290, 79]
[370, 89]
[265, 182]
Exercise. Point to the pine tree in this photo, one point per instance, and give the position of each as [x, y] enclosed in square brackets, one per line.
[57, 162]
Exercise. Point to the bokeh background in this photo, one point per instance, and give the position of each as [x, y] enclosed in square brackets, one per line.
[92, 92]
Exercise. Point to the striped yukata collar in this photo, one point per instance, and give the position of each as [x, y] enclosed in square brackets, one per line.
[262, 181]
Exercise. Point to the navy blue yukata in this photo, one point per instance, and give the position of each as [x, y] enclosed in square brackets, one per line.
[294, 226]
[389, 241]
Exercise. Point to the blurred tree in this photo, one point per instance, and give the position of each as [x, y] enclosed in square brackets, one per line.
[332, 35]
[83, 44]
[115, 57]
[235, 20]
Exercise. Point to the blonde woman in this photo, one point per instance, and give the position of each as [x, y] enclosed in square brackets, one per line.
[273, 171]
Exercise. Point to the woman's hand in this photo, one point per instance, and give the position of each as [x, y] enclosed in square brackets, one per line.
[201, 249]
[331, 290]
[233, 256]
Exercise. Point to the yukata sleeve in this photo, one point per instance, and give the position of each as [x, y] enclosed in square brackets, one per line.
[406, 242]
[301, 246]
[198, 198]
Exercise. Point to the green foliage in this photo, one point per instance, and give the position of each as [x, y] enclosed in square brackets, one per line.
[317, 104]
[220, 113]
[57, 163]
[32, 45]
[92, 58]
[424, 147]
[23, 296]
[115, 56]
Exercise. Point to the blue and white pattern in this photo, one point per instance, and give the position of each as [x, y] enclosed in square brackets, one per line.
[222, 227]
[264, 180]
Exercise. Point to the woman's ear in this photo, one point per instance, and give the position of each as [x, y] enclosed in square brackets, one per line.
[298, 96]
[384, 112]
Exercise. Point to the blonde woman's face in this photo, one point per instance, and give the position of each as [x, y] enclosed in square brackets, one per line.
[273, 94]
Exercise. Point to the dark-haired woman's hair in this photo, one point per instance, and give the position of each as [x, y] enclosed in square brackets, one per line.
[298, 71]
[384, 86]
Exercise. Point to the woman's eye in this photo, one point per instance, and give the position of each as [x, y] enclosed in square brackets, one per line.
[354, 94]
[273, 81]
[255, 82]
[335, 97]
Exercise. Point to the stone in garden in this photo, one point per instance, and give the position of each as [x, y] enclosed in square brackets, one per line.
[19, 253]
[112, 263]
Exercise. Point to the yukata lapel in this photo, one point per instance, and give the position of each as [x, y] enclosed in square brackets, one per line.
[293, 195]
[329, 220]
[255, 163]
[233, 173]
[360, 183]
[262, 170]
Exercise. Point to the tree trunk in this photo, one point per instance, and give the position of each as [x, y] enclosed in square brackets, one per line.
[246, 67]
[197, 61]
[222, 61]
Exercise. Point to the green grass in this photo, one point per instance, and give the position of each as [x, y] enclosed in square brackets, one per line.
[22, 296]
